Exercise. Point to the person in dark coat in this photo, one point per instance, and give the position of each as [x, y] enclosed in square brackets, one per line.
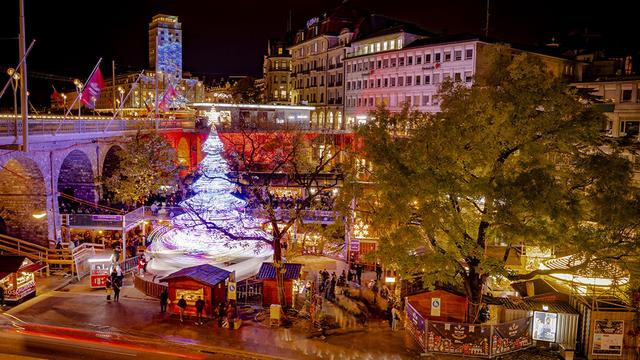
[199, 310]
[221, 313]
[116, 290]
[378, 271]
[359, 273]
[164, 299]
[182, 305]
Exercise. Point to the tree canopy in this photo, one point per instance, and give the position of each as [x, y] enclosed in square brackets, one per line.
[147, 165]
[516, 159]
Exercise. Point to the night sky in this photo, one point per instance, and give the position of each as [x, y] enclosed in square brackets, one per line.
[229, 37]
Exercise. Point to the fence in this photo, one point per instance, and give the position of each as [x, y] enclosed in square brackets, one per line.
[52, 125]
[149, 288]
[475, 340]
[250, 293]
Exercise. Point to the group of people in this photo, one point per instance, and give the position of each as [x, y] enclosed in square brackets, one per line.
[114, 283]
[224, 312]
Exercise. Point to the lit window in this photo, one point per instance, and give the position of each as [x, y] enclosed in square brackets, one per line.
[377, 46]
[384, 45]
[392, 44]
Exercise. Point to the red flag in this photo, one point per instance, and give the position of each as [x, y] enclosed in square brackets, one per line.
[56, 96]
[92, 89]
[168, 97]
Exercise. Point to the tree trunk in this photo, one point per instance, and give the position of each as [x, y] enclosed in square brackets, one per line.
[473, 287]
[277, 263]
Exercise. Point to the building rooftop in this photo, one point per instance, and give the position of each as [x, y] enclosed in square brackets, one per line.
[205, 274]
[268, 271]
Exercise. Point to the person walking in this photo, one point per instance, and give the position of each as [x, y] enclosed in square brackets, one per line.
[359, 273]
[182, 305]
[116, 291]
[395, 314]
[142, 264]
[221, 313]
[378, 271]
[332, 287]
[199, 310]
[109, 289]
[164, 299]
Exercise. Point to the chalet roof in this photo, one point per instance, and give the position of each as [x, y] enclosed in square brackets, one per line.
[205, 274]
[10, 264]
[268, 271]
[540, 287]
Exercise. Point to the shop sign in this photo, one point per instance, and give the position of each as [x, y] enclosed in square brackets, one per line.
[608, 337]
[544, 326]
[435, 306]
[231, 291]
[191, 296]
[106, 217]
[355, 245]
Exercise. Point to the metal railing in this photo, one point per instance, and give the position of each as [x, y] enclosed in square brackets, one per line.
[54, 125]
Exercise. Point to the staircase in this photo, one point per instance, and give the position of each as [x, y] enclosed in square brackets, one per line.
[36, 253]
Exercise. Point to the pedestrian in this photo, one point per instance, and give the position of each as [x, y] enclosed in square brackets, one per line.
[375, 289]
[332, 287]
[182, 305]
[116, 252]
[287, 324]
[221, 313]
[395, 318]
[142, 264]
[378, 271]
[114, 275]
[359, 273]
[164, 299]
[231, 313]
[108, 289]
[116, 291]
[199, 310]
[390, 313]
[349, 276]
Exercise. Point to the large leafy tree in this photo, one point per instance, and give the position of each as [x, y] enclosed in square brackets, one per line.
[146, 166]
[515, 159]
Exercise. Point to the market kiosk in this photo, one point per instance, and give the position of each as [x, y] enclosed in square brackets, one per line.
[100, 270]
[16, 277]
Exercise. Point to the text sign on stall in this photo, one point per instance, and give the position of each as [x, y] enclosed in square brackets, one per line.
[544, 326]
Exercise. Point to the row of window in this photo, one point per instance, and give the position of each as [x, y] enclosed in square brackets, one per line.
[334, 80]
[377, 47]
[393, 100]
[409, 80]
[410, 60]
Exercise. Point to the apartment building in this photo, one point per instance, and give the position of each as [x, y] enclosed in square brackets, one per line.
[400, 68]
[276, 72]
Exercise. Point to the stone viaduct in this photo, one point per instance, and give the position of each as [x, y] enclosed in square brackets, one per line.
[69, 159]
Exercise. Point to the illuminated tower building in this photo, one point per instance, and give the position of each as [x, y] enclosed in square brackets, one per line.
[165, 45]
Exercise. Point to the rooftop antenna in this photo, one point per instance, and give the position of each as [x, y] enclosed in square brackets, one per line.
[289, 22]
[486, 29]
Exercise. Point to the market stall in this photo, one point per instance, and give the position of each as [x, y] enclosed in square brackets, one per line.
[205, 281]
[267, 274]
[100, 270]
[16, 277]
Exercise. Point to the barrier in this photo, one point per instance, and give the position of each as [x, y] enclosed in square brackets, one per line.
[474, 340]
[149, 288]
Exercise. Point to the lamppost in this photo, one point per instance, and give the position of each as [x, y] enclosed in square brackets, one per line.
[79, 86]
[15, 77]
[64, 102]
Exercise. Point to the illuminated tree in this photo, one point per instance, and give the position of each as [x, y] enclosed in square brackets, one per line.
[515, 159]
[147, 165]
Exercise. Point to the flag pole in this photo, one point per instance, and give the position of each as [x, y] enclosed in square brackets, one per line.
[124, 100]
[80, 93]
[6, 85]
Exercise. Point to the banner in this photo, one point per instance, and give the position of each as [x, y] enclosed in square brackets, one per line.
[511, 336]
[168, 97]
[92, 89]
[608, 337]
[544, 326]
[415, 324]
[458, 338]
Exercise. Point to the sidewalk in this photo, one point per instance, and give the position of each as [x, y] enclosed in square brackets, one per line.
[137, 315]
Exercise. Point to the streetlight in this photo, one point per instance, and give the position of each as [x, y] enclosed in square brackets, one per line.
[79, 86]
[64, 102]
[14, 78]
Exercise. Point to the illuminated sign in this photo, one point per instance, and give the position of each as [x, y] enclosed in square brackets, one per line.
[544, 326]
[312, 21]
[608, 337]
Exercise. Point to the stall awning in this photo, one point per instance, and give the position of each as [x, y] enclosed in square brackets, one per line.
[205, 274]
[268, 271]
[10, 264]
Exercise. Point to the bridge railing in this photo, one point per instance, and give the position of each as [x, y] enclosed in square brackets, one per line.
[53, 125]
